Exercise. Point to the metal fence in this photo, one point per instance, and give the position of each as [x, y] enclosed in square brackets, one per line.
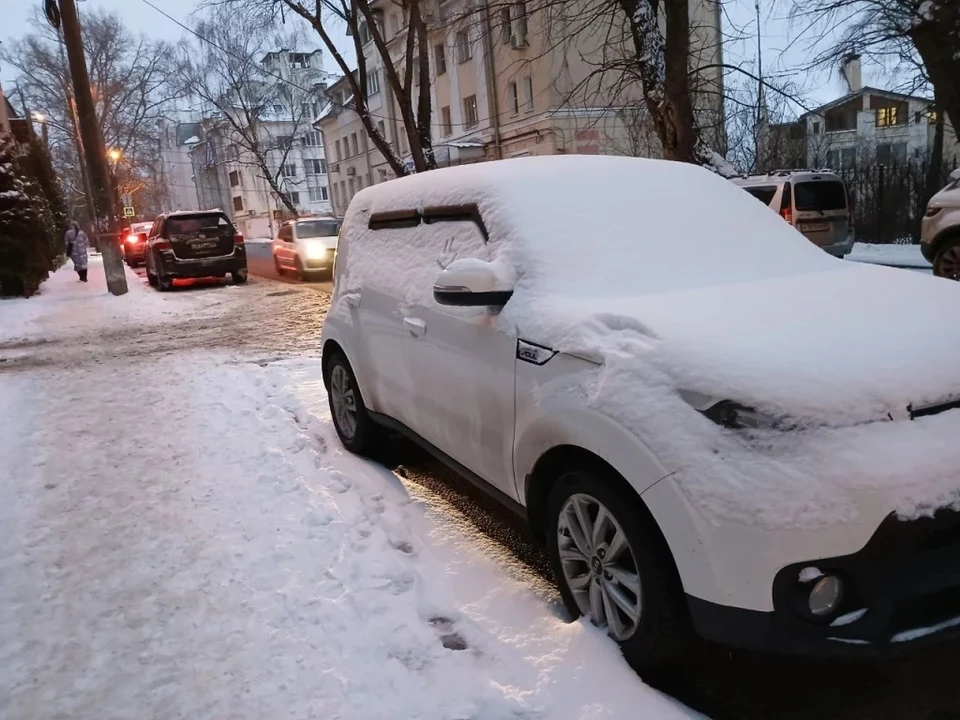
[888, 201]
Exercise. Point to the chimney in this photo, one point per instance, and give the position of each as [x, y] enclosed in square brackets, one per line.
[850, 67]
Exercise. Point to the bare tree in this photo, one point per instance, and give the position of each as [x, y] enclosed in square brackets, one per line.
[130, 78]
[916, 38]
[259, 111]
[404, 61]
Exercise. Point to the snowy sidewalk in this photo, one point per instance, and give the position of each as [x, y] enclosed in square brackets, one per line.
[181, 536]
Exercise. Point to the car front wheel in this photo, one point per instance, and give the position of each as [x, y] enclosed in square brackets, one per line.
[946, 264]
[614, 567]
[356, 430]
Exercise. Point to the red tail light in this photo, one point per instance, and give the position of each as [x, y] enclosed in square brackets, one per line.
[238, 239]
[131, 238]
[787, 214]
[163, 245]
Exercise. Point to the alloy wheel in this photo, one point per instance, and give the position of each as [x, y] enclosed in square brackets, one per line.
[344, 401]
[599, 566]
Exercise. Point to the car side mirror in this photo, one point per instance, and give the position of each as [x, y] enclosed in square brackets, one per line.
[470, 282]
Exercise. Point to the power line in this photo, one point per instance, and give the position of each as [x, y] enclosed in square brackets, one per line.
[299, 87]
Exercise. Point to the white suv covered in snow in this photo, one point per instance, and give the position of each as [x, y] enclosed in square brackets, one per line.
[702, 445]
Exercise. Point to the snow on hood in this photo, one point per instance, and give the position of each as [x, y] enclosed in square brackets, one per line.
[837, 348]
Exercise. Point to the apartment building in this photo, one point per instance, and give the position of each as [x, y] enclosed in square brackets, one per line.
[176, 171]
[508, 80]
[228, 175]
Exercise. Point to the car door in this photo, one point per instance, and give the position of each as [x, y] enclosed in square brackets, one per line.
[459, 361]
[371, 286]
[284, 246]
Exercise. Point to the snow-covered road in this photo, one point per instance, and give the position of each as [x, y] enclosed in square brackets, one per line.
[181, 536]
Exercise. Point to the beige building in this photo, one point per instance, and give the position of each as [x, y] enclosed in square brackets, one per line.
[508, 81]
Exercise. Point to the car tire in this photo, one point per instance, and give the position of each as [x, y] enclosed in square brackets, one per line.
[358, 433]
[151, 278]
[301, 271]
[239, 277]
[662, 631]
[164, 283]
[946, 263]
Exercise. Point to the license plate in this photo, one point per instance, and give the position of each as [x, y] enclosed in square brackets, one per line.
[814, 227]
[203, 245]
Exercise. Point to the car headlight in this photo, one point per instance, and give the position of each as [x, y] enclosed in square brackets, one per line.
[735, 416]
[317, 251]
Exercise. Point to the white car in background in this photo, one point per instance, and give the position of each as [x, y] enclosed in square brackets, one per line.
[940, 230]
[815, 202]
[307, 246]
[703, 446]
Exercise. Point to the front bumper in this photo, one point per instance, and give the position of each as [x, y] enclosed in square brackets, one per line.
[906, 579]
[319, 262]
[134, 253]
[175, 267]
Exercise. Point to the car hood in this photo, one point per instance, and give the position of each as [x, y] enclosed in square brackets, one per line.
[946, 198]
[851, 344]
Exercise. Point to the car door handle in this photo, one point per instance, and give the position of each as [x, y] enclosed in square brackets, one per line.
[352, 299]
[416, 326]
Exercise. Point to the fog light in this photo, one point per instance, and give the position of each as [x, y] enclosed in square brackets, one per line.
[825, 596]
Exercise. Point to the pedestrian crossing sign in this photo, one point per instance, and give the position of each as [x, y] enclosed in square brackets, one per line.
[128, 211]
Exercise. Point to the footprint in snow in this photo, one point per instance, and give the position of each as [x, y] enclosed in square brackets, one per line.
[449, 638]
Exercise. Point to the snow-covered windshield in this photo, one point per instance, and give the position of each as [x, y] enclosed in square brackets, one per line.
[317, 228]
[655, 227]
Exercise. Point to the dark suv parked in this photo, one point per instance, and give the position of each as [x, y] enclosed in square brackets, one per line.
[194, 244]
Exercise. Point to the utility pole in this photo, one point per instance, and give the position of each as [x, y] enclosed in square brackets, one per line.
[101, 189]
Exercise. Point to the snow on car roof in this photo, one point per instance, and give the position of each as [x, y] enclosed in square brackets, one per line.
[605, 226]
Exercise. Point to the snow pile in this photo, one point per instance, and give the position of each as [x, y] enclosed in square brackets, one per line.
[895, 255]
[205, 549]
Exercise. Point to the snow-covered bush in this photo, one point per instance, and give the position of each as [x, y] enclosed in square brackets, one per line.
[31, 217]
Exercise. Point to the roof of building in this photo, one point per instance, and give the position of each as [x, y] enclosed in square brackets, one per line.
[864, 91]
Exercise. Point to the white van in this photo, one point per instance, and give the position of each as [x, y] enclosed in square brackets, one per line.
[815, 202]
[703, 446]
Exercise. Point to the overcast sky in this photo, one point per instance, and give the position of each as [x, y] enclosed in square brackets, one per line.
[777, 36]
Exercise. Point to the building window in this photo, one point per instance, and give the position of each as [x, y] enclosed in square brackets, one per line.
[337, 146]
[364, 32]
[932, 117]
[284, 141]
[888, 116]
[446, 122]
[299, 60]
[513, 99]
[848, 158]
[373, 82]
[464, 47]
[293, 197]
[278, 108]
[310, 109]
[470, 118]
[353, 144]
[816, 128]
[317, 194]
[892, 153]
[528, 94]
[505, 28]
[316, 167]
[235, 179]
[311, 139]
[288, 170]
[382, 129]
[518, 25]
[395, 23]
[440, 59]
[238, 204]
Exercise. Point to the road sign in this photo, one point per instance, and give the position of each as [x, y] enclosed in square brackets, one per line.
[128, 211]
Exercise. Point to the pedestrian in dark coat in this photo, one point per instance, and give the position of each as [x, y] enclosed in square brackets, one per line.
[77, 246]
